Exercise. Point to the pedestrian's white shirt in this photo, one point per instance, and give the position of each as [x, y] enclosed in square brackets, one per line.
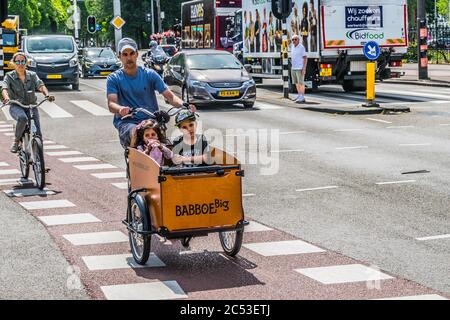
[297, 54]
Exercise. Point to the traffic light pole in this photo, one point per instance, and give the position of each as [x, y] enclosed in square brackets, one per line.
[284, 55]
[152, 17]
[422, 35]
[75, 19]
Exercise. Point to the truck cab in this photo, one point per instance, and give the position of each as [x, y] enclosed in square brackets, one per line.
[10, 40]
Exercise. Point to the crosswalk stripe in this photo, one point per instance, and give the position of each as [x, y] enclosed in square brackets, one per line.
[63, 153]
[156, 290]
[46, 204]
[282, 248]
[266, 106]
[120, 261]
[343, 274]
[121, 185]
[56, 220]
[95, 166]
[5, 110]
[78, 159]
[91, 108]
[54, 111]
[4, 164]
[9, 171]
[46, 142]
[109, 175]
[9, 134]
[82, 239]
[55, 147]
[6, 130]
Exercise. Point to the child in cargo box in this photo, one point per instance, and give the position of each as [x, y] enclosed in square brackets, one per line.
[190, 149]
[147, 139]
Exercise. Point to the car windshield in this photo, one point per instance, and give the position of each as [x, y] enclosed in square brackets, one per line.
[213, 61]
[50, 45]
[100, 52]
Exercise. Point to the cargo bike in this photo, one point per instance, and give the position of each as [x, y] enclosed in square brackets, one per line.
[182, 202]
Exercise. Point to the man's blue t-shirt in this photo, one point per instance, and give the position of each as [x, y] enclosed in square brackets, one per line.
[137, 91]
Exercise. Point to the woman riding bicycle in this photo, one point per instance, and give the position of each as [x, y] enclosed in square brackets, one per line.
[21, 84]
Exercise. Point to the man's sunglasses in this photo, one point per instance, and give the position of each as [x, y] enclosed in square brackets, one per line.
[296, 39]
[23, 62]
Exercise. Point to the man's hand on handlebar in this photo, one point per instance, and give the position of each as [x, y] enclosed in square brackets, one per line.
[123, 111]
[50, 98]
[193, 108]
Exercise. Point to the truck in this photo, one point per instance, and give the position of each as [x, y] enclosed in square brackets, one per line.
[11, 40]
[205, 22]
[333, 33]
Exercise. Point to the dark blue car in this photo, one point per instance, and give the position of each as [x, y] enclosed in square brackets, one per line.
[98, 62]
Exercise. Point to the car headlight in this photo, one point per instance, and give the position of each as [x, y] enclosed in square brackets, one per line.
[32, 63]
[199, 84]
[73, 62]
[250, 82]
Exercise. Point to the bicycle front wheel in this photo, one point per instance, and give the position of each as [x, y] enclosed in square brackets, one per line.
[38, 162]
[24, 163]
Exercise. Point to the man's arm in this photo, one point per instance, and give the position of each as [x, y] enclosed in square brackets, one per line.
[115, 107]
[305, 62]
[43, 89]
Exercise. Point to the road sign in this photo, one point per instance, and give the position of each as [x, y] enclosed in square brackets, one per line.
[371, 50]
[118, 22]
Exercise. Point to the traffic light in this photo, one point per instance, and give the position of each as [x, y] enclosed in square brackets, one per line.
[91, 25]
[281, 8]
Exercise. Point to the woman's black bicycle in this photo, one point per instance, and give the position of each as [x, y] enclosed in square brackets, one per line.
[31, 150]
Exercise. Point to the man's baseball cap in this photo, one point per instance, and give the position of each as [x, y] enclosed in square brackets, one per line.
[126, 43]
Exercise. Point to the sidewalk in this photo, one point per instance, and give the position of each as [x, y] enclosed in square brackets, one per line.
[438, 74]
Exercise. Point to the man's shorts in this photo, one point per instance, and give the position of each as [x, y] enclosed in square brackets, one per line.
[125, 133]
[297, 77]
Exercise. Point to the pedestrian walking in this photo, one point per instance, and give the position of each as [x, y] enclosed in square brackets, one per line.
[298, 69]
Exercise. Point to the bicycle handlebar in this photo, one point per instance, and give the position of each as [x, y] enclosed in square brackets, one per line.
[30, 106]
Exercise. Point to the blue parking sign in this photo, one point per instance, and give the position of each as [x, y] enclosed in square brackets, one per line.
[371, 50]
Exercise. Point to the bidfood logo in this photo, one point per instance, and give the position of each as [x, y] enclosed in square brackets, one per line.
[365, 34]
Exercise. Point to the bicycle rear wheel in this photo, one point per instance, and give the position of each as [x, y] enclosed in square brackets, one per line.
[24, 164]
[38, 162]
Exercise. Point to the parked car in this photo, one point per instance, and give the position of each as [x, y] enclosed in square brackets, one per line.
[98, 62]
[206, 77]
[54, 58]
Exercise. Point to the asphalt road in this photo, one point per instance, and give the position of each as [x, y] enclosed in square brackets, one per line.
[335, 180]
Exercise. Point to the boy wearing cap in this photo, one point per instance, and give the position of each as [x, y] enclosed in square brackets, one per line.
[134, 86]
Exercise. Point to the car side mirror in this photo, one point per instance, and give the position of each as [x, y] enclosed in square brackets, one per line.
[177, 68]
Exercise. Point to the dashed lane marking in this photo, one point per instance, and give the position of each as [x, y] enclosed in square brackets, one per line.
[346, 130]
[120, 261]
[378, 120]
[395, 182]
[351, 148]
[9, 171]
[121, 185]
[54, 111]
[284, 151]
[414, 144]
[55, 147]
[158, 290]
[92, 108]
[399, 127]
[46, 204]
[343, 274]
[78, 159]
[318, 188]
[266, 106]
[110, 175]
[256, 227]
[95, 166]
[63, 153]
[6, 126]
[28, 192]
[81, 239]
[418, 297]
[56, 220]
[279, 248]
[442, 236]
[444, 124]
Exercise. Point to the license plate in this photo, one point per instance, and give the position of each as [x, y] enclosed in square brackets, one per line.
[54, 76]
[325, 72]
[105, 73]
[232, 93]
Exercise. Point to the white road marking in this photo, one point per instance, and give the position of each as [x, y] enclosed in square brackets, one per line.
[248, 195]
[279, 248]
[256, 227]
[92, 108]
[82, 239]
[9, 171]
[2, 122]
[418, 297]
[54, 147]
[157, 290]
[54, 111]
[319, 188]
[120, 261]
[343, 274]
[442, 236]
[417, 94]
[110, 175]
[9, 134]
[283, 151]
[6, 126]
[163, 240]
[350, 148]
[395, 182]
[63, 153]
[399, 127]
[266, 106]
[6, 113]
[444, 124]
[27, 192]
[378, 120]
[440, 101]
[56, 220]
[291, 132]
[78, 159]
[414, 144]
[121, 185]
[95, 166]
[346, 130]
[6, 130]
[48, 142]
[47, 204]
[4, 164]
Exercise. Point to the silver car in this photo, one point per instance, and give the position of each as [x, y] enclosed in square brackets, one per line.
[209, 77]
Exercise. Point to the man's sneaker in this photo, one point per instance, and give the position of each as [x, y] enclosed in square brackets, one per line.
[300, 100]
[14, 147]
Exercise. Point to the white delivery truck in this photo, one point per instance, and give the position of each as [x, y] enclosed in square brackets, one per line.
[333, 32]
